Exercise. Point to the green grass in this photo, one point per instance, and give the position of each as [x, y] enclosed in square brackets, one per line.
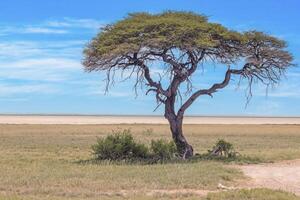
[41, 161]
[253, 194]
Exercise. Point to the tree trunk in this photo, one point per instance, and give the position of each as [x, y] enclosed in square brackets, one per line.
[185, 150]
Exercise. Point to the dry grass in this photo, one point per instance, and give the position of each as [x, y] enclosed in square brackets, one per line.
[39, 161]
[253, 194]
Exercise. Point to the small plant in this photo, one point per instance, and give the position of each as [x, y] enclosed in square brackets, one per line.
[163, 150]
[119, 146]
[223, 149]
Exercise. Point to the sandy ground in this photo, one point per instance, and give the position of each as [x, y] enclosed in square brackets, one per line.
[45, 119]
[282, 175]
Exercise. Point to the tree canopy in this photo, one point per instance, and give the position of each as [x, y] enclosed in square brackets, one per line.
[183, 40]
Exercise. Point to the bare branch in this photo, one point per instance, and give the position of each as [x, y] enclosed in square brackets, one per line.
[151, 82]
[208, 91]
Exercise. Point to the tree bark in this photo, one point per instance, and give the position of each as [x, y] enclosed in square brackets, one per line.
[184, 149]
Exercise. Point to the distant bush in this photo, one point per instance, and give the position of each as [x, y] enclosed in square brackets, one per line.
[163, 150]
[223, 149]
[225, 152]
[119, 146]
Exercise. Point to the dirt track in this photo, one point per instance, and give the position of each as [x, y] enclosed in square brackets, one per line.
[283, 175]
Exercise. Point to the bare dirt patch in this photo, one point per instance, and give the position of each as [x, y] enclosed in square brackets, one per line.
[282, 175]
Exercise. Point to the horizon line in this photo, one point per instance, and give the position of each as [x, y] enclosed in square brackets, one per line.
[144, 115]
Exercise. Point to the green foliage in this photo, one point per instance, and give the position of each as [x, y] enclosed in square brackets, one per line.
[184, 30]
[119, 146]
[257, 37]
[163, 150]
[180, 30]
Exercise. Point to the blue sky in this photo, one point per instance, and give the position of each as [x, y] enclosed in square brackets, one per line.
[41, 46]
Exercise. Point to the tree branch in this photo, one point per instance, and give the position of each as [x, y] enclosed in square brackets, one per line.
[147, 76]
[194, 61]
[209, 91]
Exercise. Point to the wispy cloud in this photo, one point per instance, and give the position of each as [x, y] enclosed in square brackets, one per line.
[9, 49]
[287, 89]
[23, 49]
[45, 63]
[98, 91]
[76, 23]
[62, 26]
[284, 94]
[8, 30]
[13, 99]
[10, 90]
[43, 30]
[29, 67]
[44, 69]
[37, 60]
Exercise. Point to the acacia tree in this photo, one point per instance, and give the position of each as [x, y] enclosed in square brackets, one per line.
[183, 42]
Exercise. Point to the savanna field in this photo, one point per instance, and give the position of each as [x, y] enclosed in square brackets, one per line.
[45, 162]
[149, 100]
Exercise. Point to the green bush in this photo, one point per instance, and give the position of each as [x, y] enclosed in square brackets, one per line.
[223, 148]
[119, 146]
[163, 150]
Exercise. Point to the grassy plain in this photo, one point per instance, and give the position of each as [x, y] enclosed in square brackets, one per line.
[40, 161]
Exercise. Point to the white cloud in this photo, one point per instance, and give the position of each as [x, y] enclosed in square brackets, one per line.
[76, 23]
[110, 93]
[10, 90]
[284, 94]
[30, 30]
[46, 63]
[62, 26]
[13, 99]
[40, 60]
[43, 30]
[43, 66]
[285, 89]
[16, 50]
[44, 69]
